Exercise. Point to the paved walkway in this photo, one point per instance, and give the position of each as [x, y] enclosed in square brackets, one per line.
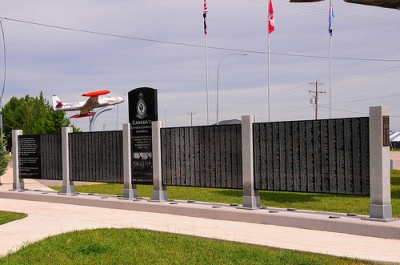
[51, 218]
[395, 160]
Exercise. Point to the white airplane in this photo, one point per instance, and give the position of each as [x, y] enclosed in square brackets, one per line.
[96, 100]
[395, 4]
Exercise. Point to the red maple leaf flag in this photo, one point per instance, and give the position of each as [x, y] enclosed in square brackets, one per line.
[271, 25]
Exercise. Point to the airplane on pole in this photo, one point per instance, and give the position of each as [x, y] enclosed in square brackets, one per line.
[395, 4]
[96, 99]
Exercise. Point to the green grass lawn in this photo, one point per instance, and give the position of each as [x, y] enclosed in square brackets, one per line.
[133, 246]
[304, 201]
[6, 217]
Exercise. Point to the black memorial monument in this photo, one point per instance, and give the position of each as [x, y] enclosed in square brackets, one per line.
[143, 110]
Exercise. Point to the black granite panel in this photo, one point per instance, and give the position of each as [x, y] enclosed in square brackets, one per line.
[323, 156]
[97, 157]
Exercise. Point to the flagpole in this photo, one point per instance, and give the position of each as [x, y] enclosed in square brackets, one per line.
[271, 28]
[206, 45]
[331, 15]
[205, 11]
[330, 84]
[269, 74]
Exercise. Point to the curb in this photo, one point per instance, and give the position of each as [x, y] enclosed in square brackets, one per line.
[312, 220]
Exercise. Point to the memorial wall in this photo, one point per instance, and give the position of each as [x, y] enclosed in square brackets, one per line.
[325, 156]
[96, 157]
[205, 156]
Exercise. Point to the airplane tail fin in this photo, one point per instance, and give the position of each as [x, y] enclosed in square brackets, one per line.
[57, 102]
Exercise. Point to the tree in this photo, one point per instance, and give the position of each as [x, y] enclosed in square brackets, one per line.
[32, 115]
[3, 158]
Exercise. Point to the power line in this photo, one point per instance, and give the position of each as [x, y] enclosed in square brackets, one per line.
[287, 90]
[297, 110]
[349, 111]
[368, 74]
[367, 99]
[195, 45]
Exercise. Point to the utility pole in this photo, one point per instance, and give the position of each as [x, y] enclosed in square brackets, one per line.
[314, 100]
[191, 118]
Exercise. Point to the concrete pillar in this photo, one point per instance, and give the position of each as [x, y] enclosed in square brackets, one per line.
[160, 192]
[18, 184]
[251, 198]
[68, 186]
[130, 190]
[380, 207]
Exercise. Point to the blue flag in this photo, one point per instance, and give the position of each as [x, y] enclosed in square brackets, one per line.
[331, 16]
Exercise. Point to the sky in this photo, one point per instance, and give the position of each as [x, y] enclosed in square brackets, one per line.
[67, 48]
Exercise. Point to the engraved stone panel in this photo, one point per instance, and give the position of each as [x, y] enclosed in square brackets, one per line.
[303, 156]
[51, 156]
[310, 157]
[364, 143]
[356, 162]
[29, 156]
[317, 156]
[269, 157]
[259, 151]
[296, 156]
[325, 177]
[282, 156]
[340, 156]
[328, 156]
[333, 157]
[96, 157]
[348, 153]
[198, 159]
[289, 156]
[207, 156]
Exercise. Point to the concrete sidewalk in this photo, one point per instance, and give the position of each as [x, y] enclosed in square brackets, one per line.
[50, 213]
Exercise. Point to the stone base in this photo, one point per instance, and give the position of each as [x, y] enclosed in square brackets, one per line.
[381, 220]
[251, 202]
[68, 189]
[18, 185]
[160, 195]
[380, 213]
[130, 194]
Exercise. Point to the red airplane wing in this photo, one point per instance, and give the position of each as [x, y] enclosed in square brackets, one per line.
[304, 1]
[77, 116]
[96, 93]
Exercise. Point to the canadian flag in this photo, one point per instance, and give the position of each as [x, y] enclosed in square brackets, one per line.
[271, 25]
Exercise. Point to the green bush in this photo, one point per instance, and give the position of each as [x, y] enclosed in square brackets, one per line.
[3, 163]
[3, 158]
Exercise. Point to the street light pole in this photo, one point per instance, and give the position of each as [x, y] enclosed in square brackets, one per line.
[218, 79]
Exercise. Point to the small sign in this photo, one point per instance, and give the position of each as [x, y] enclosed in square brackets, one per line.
[386, 131]
[143, 110]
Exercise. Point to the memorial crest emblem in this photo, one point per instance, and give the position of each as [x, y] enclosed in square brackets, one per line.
[141, 107]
